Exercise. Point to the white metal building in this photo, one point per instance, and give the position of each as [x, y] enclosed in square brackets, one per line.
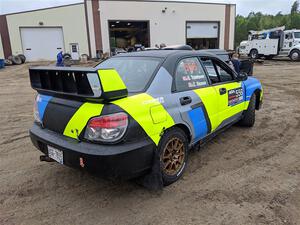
[104, 25]
[41, 34]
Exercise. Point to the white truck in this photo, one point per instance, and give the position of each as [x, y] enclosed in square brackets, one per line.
[272, 42]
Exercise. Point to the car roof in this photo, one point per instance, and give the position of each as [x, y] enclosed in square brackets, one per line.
[215, 51]
[169, 57]
[165, 53]
[150, 53]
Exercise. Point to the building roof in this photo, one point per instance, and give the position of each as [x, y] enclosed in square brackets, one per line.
[167, 1]
[40, 9]
[175, 1]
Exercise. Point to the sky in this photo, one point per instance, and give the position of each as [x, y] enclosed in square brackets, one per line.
[244, 7]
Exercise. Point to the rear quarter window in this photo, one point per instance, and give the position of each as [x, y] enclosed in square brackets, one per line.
[136, 72]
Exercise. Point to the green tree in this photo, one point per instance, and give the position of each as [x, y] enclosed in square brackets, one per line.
[260, 21]
[295, 7]
[294, 17]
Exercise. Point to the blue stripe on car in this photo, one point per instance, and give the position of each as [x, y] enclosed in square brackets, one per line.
[42, 102]
[199, 122]
[251, 84]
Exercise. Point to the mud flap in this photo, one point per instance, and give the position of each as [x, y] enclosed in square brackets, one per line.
[153, 181]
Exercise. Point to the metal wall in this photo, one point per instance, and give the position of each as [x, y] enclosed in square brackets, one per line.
[71, 18]
[168, 19]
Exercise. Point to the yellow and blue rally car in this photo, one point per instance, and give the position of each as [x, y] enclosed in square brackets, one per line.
[115, 119]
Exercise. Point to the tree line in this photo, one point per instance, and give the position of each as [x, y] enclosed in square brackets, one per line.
[260, 21]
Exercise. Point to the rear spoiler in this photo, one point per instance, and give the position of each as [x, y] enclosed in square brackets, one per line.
[80, 82]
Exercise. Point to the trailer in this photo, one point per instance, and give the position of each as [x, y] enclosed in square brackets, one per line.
[272, 42]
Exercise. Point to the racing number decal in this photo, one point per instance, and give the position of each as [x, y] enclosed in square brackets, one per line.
[235, 96]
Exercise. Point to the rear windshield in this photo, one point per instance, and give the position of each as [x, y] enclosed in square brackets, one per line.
[136, 72]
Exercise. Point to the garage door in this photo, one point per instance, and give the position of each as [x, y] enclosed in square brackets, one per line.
[202, 35]
[202, 30]
[42, 43]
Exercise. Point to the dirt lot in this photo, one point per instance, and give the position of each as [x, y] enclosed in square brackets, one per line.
[244, 176]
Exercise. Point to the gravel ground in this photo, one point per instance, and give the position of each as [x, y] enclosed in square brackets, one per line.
[243, 176]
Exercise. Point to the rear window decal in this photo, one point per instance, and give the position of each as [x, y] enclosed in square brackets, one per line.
[190, 67]
[194, 84]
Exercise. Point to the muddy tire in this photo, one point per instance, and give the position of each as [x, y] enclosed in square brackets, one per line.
[173, 154]
[67, 55]
[22, 57]
[254, 54]
[7, 62]
[16, 60]
[295, 55]
[85, 56]
[248, 119]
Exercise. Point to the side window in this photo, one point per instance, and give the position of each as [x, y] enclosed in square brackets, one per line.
[288, 36]
[262, 36]
[217, 72]
[211, 70]
[224, 73]
[190, 75]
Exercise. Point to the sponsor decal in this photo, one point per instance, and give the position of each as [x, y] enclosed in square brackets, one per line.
[160, 100]
[235, 96]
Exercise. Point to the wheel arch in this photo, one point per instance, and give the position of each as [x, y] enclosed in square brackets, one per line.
[296, 48]
[252, 50]
[184, 128]
[257, 93]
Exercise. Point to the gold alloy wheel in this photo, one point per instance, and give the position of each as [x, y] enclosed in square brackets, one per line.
[172, 157]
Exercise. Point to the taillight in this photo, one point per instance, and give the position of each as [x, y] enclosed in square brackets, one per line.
[108, 128]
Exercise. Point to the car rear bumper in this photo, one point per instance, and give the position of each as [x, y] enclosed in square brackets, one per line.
[122, 161]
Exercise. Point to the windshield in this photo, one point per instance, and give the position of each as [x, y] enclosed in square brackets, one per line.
[134, 71]
[297, 35]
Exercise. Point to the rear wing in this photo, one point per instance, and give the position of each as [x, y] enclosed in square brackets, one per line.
[80, 82]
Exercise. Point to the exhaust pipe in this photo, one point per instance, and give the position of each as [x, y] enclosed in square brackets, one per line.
[45, 158]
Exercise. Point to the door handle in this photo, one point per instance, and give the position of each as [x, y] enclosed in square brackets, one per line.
[222, 91]
[185, 100]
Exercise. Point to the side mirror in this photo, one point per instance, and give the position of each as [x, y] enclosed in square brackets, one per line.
[242, 76]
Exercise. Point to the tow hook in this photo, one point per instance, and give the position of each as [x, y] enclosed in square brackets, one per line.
[45, 158]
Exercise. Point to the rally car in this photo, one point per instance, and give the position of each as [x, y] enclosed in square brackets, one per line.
[132, 110]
